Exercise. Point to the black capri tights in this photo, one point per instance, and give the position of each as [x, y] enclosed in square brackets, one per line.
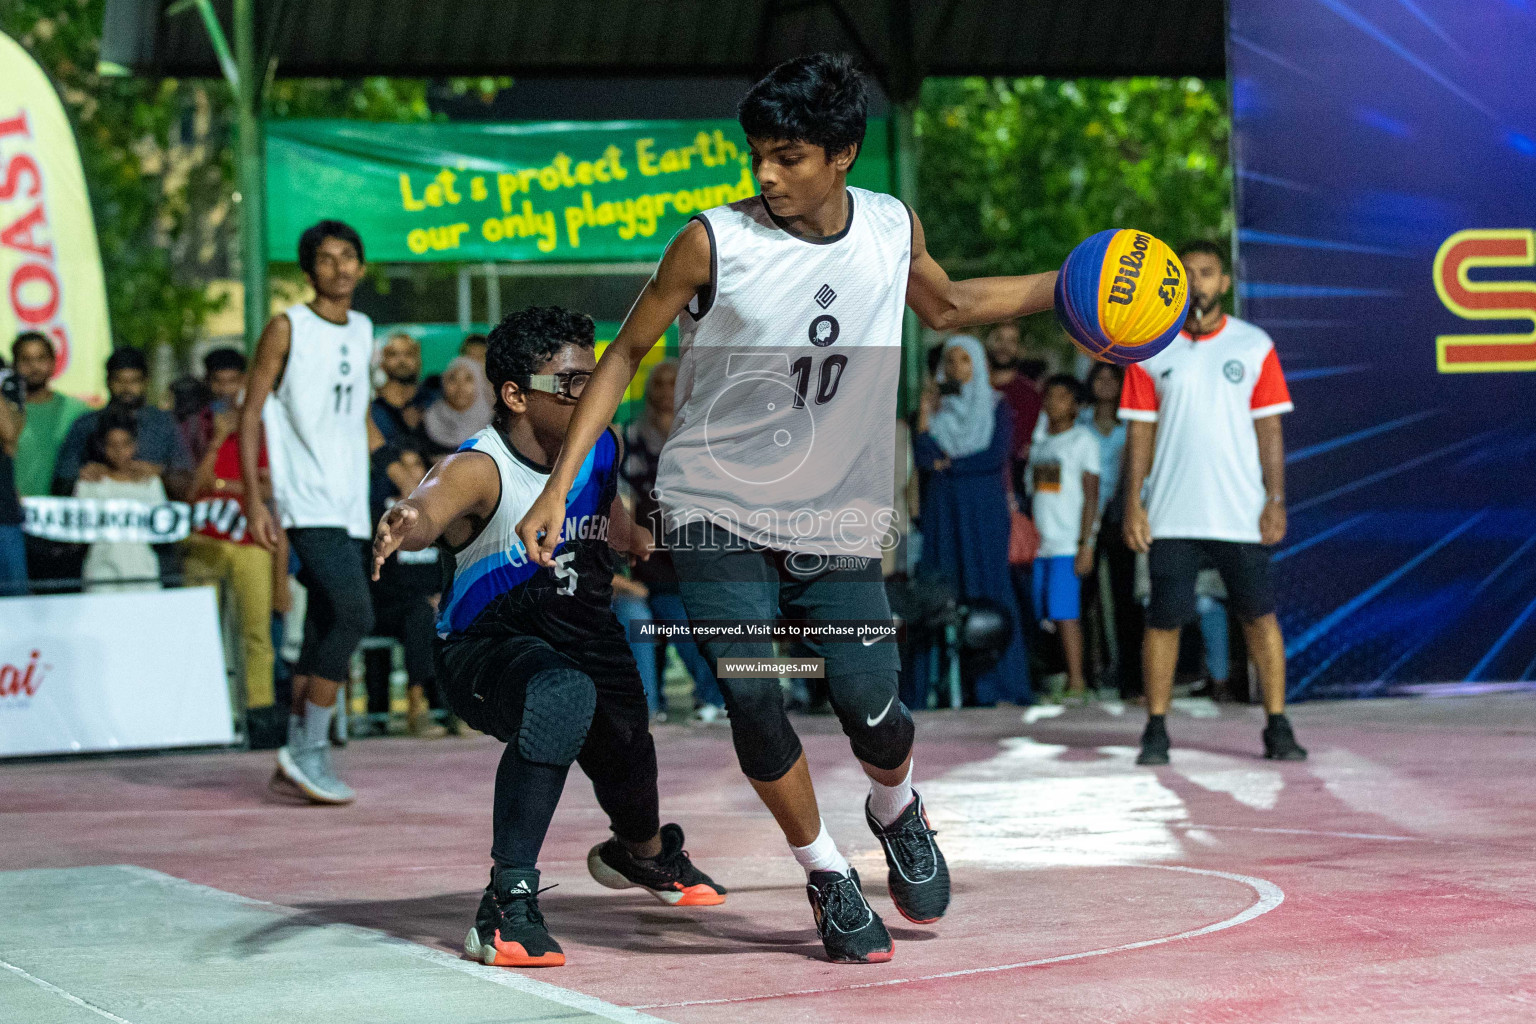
[549, 707]
[724, 578]
[339, 609]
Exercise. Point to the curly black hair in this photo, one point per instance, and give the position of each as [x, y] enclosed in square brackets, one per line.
[529, 338]
[822, 99]
[309, 241]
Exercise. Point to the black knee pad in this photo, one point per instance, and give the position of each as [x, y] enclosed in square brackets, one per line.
[558, 705]
[766, 744]
[876, 722]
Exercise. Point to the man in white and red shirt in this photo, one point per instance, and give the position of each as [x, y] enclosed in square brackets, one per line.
[1210, 405]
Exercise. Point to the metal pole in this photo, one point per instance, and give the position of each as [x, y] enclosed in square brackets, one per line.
[904, 175]
[249, 174]
[492, 295]
[466, 297]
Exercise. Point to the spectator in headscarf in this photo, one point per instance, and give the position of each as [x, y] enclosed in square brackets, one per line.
[963, 446]
[462, 411]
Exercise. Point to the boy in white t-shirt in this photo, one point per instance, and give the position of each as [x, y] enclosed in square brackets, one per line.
[1064, 483]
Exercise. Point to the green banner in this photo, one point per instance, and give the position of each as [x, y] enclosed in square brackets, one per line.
[472, 192]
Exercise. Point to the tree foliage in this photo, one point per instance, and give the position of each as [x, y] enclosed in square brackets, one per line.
[159, 163]
[1014, 173]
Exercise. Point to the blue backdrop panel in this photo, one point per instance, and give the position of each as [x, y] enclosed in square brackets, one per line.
[1368, 133]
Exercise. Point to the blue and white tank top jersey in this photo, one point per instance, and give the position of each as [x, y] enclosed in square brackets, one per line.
[786, 385]
[498, 591]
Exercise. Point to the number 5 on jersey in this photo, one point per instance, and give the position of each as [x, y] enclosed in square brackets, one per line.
[565, 574]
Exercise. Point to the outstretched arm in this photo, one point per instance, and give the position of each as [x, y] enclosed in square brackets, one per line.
[944, 305]
[682, 272]
[463, 484]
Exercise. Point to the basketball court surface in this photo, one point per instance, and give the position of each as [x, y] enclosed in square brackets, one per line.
[1387, 879]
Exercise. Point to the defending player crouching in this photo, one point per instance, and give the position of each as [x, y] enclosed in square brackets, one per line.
[533, 654]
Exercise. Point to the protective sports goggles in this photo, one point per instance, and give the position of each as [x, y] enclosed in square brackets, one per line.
[565, 385]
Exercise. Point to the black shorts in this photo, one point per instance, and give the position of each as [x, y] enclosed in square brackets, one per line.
[1176, 561]
[334, 569]
[483, 679]
[723, 577]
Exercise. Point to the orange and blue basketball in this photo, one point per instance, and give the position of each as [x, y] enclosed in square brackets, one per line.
[1122, 296]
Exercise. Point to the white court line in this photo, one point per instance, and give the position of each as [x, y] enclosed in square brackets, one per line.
[1270, 897]
[501, 976]
[495, 975]
[1309, 832]
[51, 987]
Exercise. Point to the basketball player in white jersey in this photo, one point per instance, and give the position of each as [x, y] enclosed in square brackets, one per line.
[777, 478]
[308, 391]
[534, 655]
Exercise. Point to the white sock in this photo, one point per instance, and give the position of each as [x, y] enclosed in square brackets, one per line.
[821, 855]
[295, 730]
[887, 802]
[317, 724]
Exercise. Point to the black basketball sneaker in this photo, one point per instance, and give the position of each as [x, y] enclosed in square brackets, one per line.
[918, 877]
[850, 930]
[671, 877]
[509, 931]
[1154, 742]
[1280, 742]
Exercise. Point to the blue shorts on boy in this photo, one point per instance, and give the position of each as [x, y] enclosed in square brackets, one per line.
[1057, 589]
[1057, 464]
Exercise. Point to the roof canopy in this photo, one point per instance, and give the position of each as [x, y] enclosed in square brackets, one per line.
[899, 40]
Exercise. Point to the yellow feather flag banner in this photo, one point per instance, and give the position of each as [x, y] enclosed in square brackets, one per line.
[50, 266]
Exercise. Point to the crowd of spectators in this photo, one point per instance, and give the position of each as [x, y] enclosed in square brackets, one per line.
[1018, 507]
[1021, 511]
[187, 449]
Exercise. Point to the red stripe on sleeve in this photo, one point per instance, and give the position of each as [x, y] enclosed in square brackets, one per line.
[1139, 394]
[1270, 390]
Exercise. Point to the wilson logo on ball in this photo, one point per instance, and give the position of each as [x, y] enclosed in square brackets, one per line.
[1123, 289]
[1122, 296]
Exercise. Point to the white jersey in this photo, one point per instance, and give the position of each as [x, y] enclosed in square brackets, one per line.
[786, 387]
[316, 424]
[1206, 481]
[1057, 463]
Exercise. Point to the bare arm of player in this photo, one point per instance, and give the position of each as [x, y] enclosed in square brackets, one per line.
[682, 272]
[944, 305]
[463, 484]
[1272, 463]
[627, 536]
[271, 357]
[1139, 438]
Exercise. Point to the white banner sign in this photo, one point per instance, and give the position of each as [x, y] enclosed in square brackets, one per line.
[88, 520]
[100, 672]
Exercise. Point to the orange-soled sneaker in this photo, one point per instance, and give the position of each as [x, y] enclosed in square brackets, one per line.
[850, 930]
[509, 931]
[671, 877]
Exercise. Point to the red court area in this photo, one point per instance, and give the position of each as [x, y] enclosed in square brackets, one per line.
[1389, 878]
